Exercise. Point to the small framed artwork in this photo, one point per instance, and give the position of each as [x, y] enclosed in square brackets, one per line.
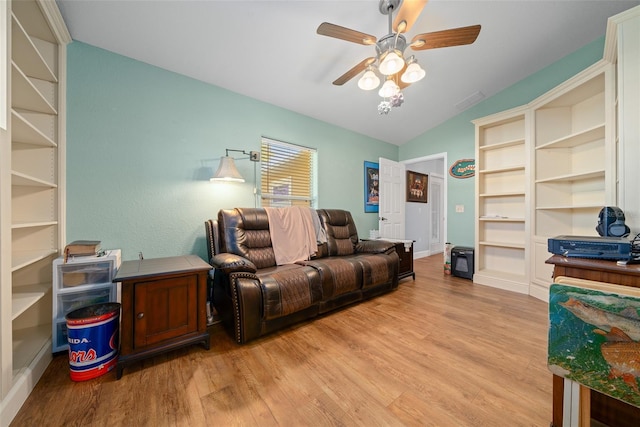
[371, 186]
[417, 184]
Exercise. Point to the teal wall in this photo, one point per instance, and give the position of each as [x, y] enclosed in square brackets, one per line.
[142, 143]
[457, 135]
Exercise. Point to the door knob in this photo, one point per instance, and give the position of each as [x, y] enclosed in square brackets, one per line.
[382, 218]
[140, 315]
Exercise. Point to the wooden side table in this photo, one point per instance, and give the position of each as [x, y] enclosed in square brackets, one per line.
[404, 249]
[163, 306]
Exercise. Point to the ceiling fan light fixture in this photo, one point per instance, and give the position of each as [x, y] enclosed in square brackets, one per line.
[389, 58]
[391, 63]
[369, 80]
[413, 73]
[388, 89]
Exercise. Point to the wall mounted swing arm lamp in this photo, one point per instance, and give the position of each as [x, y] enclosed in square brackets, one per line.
[227, 170]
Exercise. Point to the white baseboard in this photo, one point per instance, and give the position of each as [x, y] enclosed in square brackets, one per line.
[421, 254]
[539, 291]
[24, 384]
[501, 283]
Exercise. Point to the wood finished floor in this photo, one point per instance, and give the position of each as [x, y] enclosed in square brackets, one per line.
[439, 351]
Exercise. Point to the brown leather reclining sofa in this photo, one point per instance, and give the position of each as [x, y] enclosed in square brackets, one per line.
[254, 296]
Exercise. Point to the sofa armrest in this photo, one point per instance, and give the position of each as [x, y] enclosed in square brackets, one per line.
[375, 247]
[231, 263]
[246, 297]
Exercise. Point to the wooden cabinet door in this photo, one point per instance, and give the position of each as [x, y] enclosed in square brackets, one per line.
[165, 309]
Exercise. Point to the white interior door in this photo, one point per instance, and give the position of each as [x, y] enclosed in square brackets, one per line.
[436, 201]
[391, 219]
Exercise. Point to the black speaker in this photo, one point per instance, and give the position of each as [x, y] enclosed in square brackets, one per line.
[462, 262]
[611, 222]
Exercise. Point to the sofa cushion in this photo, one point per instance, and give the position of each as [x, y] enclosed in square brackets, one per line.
[377, 268]
[245, 232]
[339, 275]
[342, 235]
[288, 289]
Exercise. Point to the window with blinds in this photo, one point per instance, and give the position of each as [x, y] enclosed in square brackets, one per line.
[288, 174]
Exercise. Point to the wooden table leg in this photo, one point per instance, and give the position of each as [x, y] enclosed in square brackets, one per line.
[585, 406]
[557, 402]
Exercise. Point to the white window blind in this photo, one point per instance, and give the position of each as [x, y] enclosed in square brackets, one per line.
[287, 174]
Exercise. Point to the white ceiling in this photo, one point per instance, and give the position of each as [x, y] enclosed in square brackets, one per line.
[269, 50]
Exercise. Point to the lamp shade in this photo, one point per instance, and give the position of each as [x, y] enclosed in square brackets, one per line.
[388, 89]
[227, 171]
[391, 64]
[413, 73]
[368, 81]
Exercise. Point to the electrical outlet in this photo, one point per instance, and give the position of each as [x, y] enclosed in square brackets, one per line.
[459, 208]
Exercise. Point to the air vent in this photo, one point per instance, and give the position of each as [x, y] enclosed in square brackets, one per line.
[470, 100]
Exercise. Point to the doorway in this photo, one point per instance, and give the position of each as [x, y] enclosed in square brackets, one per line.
[426, 222]
[436, 189]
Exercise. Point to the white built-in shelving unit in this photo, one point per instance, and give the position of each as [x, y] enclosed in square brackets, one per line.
[547, 168]
[622, 48]
[574, 163]
[32, 190]
[544, 169]
[502, 201]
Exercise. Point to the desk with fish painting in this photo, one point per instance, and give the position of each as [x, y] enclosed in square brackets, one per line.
[594, 405]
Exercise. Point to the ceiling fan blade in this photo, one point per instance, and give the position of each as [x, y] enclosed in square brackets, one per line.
[342, 33]
[362, 65]
[408, 13]
[446, 38]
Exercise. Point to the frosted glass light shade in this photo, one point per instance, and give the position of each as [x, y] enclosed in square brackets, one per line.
[391, 64]
[388, 89]
[368, 81]
[227, 171]
[413, 73]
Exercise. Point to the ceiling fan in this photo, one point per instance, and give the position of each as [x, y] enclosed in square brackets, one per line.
[398, 71]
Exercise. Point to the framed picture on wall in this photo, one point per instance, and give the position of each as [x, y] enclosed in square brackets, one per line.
[417, 184]
[371, 186]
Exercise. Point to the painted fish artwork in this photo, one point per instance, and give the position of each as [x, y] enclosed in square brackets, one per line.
[594, 339]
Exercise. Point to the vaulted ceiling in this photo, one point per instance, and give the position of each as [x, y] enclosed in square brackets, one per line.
[270, 51]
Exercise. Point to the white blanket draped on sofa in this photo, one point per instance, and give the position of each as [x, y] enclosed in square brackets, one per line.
[293, 235]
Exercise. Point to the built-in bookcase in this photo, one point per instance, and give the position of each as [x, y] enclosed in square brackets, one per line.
[622, 48]
[574, 162]
[32, 184]
[502, 202]
[570, 158]
[542, 170]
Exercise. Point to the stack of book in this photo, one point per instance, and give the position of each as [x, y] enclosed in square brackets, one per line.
[79, 248]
